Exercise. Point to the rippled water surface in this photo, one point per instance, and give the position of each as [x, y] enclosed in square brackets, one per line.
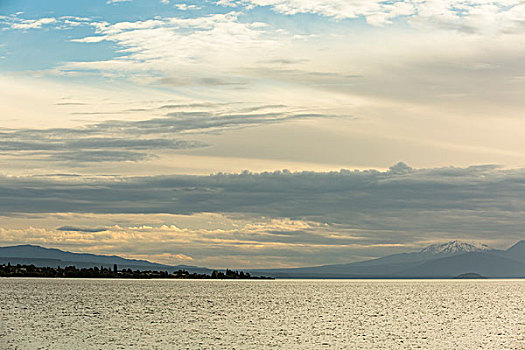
[281, 314]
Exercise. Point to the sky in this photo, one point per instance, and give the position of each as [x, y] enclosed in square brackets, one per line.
[261, 133]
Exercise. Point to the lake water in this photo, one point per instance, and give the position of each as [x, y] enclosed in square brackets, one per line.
[250, 314]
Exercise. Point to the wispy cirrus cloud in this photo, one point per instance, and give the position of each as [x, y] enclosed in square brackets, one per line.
[425, 62]
[169, 44]
[32, 24]
[121, 140]
[16, 22]
[116, 1]
[460, 15]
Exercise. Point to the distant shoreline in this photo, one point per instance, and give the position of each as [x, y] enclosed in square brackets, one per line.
[268, 279]
[70, 272]
[451, 260]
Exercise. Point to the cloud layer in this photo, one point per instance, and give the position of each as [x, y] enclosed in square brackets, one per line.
[154, 87]
[121, 140]
[336, 214]
[462, 15]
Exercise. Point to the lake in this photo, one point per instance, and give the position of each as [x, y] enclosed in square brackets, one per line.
[251, 314]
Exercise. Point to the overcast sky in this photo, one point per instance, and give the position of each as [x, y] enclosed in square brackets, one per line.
[261, 133]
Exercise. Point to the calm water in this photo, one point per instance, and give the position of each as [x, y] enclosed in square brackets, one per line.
[282, 314]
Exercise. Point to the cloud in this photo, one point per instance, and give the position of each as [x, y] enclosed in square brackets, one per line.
[186, 7]
[228, 3]
[440, 57]
[80, 158]
[424, 84]
[172, 244]
[257, 218]
[32, 24]
[80, 229]
[86, 148]
[421, 202]
[460, 15]
[116, 1]
[120, 140]
[178, 49]
[15, 22]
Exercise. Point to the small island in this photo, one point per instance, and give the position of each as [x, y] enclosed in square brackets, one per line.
[103, 272]
[470, 275]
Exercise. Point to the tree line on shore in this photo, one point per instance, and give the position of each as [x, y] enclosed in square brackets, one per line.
[104, 272]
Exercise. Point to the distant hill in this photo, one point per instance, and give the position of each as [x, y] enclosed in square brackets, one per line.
[516, 252]
[446, 260]
[40, 256]
[435, 261]
[486, 264]
[469, 275]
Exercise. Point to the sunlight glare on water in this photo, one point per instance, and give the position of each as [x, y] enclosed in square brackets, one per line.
[250, 314]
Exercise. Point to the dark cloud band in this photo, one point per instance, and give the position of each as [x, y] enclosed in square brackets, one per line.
[480, 201]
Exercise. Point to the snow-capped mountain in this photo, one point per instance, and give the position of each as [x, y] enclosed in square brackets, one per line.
[454, 248]
[438, 260]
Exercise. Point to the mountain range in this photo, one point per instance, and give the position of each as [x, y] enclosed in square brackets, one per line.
[435, 261]
[40, 256]
[438, 260]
